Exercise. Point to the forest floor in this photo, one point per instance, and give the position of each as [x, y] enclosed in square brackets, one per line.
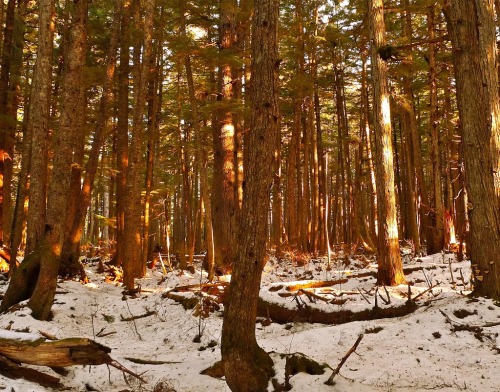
[449, 343]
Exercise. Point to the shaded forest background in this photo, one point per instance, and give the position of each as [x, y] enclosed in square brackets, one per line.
[124, 126]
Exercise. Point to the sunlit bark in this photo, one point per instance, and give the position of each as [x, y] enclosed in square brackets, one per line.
[471, 25]
[390, 269]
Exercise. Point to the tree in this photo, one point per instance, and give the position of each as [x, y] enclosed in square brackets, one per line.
[248, 367]
[38, 124]
[47, 250]
[224, 203]
[390, 268]
[471, 25]
[132, 261]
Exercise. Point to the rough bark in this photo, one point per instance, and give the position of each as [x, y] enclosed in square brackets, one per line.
[122, 129]
[70, 252]
[132, 258]
[471, 25]
[224, 204]
[38, 124]
[248, 367]
[435, 240]
[409, 126]
[65, 139]
[390, 270]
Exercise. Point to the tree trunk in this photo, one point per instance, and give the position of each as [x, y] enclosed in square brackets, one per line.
[471, 25]
[122, 129]
[72, 241]
[224, 205]
[132, 261]
[435, 241]
[247, 367]
[65, 139]
[390, 271]
[38, 124]
[7, 124]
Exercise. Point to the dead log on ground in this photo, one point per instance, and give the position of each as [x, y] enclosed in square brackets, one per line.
[14, 371]
[195, 286]
[281, 314]
[21, 348]
[313, 284]
[59, 353]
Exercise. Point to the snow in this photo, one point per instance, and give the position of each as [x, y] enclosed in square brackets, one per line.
[418, 352]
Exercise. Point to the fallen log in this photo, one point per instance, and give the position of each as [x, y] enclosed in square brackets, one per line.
[60, 353]
[24, 348]
[198, 286]
[281, 314]
[313, 284]
[12, 370]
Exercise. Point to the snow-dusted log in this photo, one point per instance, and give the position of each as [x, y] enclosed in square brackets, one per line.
[33, 350]
[283, 314]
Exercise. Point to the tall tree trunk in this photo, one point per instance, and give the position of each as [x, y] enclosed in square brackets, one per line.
[132, 261]
[7, 124]
[247, 367]
[153, 131]
[373, 218]
[471, 25]
[390, 268]
[66, 138]
[38, 124]
[409, 126]
[435, 242]
[122, 129]
[70, 252]
[224, 205]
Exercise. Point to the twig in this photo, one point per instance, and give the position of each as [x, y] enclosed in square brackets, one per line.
[147, 314]
[133, 320]
[119, 366]
[366, 299]
[101, 335]
[485, 325]
[149, 362]
[387, 302]
[387, 293]
[429, 283]
[343, 360]
[312, 296]
[423, 292]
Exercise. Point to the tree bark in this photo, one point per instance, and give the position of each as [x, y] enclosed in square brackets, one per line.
[132, 258]
[65, 139]
[70, 251]
[471, 25]
[224, 203]
[390, 271]
[248, 367]
[38, 124]
[435, 241]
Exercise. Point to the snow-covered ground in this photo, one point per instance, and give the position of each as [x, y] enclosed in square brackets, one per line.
[442, 346]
